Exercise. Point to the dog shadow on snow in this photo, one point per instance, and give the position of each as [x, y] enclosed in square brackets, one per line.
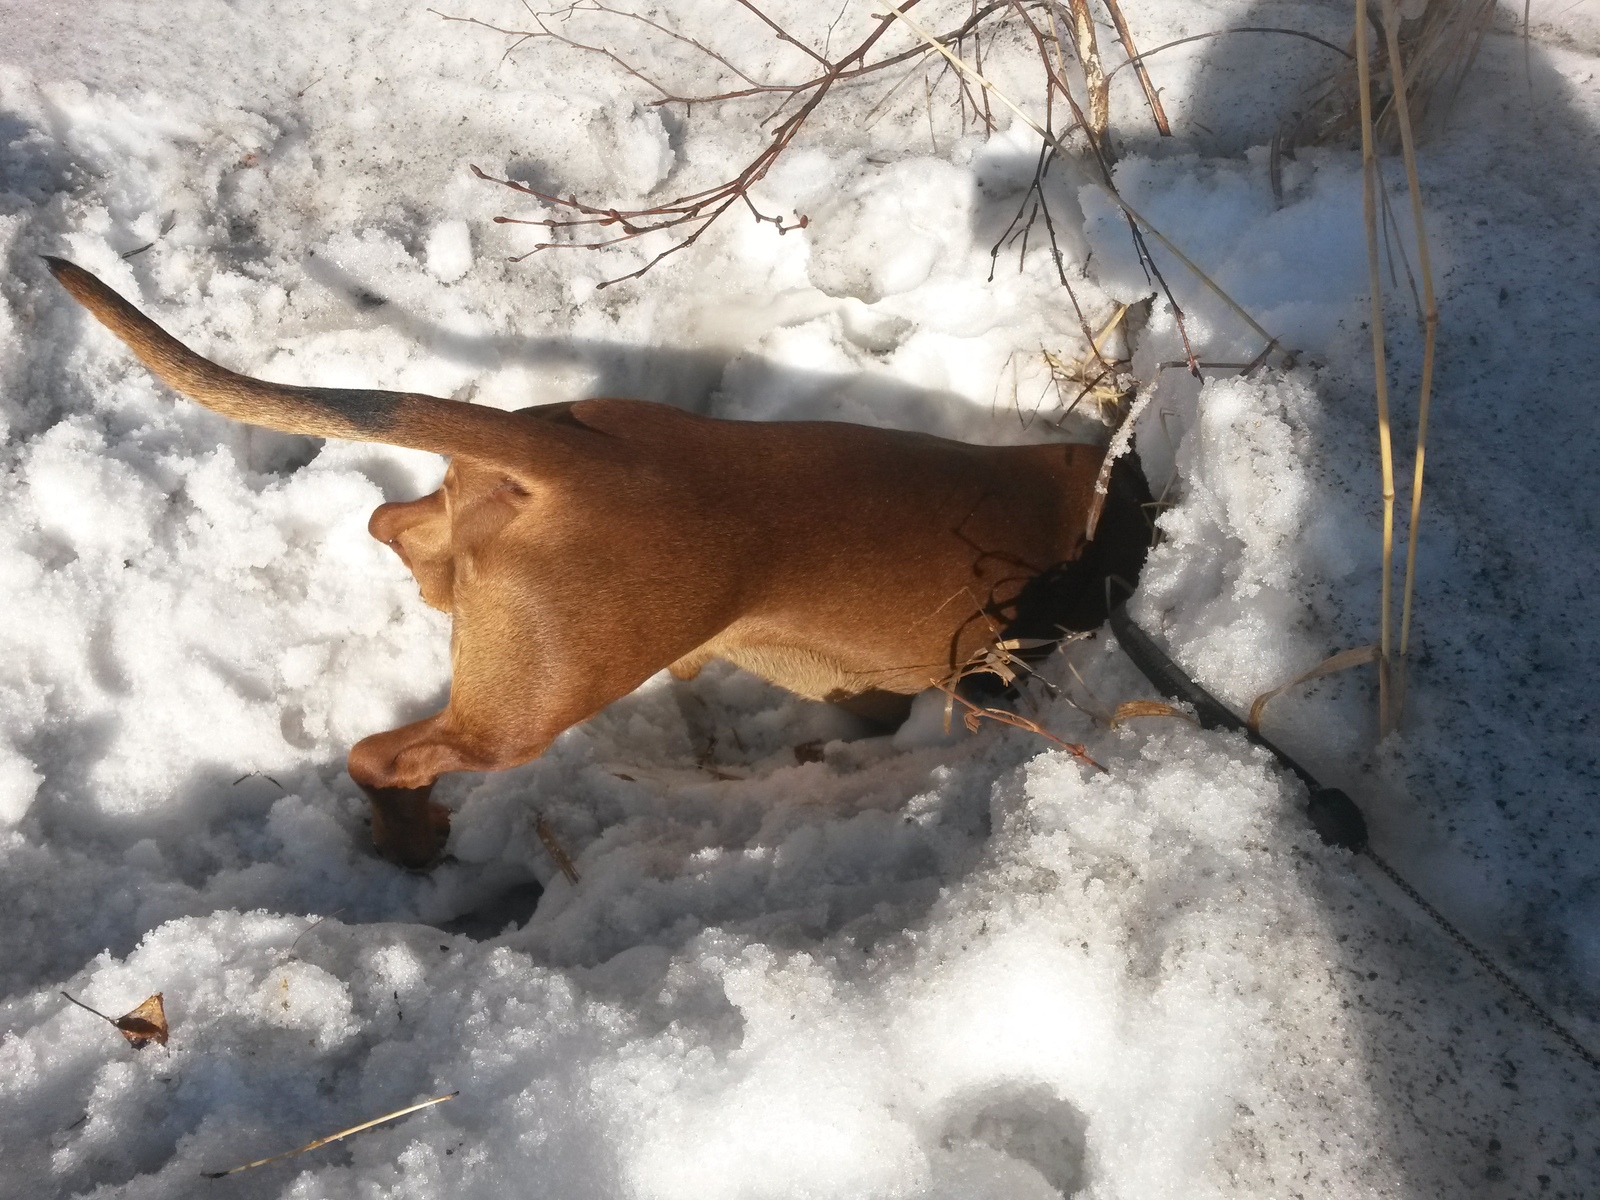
[717, 382]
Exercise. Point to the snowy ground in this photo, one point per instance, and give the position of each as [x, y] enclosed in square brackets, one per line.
[912, 966]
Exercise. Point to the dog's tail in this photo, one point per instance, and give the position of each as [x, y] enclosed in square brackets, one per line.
[398, 418]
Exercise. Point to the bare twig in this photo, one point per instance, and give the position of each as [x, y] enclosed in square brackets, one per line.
[697, 212]
[553, 847]
[1136, 60]
[976, 714]
[289, 954]
[527, 35]
[1151, 96]
[1104, 185]
[782, 33]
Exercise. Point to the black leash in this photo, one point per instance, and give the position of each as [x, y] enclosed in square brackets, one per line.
[1333, 814]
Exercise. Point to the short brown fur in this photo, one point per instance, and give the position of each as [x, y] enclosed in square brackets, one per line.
[582, 548]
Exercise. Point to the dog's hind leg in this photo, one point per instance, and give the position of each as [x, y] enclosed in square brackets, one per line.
[398, 768]
[509, 699]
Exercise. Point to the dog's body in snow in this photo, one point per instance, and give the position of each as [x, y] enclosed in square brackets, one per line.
[583, 547]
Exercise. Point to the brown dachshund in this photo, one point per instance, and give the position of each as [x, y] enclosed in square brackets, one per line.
[583, 547]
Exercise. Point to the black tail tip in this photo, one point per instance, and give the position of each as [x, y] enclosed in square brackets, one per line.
[80, 284]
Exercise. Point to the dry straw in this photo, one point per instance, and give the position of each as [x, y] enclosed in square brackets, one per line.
[1430, 317]
[1380, 367]
[1437, 40]
[318, 1143]
[1404, 83]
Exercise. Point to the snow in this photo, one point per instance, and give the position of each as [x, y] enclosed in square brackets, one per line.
[952, 965]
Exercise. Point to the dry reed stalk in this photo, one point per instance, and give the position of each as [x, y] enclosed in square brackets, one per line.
[1438, 44]
[1130, 709]
[1369, 204]
[1391, 25]
[1104, 186]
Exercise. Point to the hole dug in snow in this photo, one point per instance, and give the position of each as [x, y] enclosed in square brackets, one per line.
[1027, 1123]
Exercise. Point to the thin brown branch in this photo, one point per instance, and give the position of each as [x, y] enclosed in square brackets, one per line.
[966, 29]
[695, 213]
[976, 714]
[526, 35]
[782, 33]
[988, 113]
[1151, 96]
[1136, 59]
[667, 30]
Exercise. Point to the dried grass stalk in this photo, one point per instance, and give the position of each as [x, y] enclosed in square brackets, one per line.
[1391, 24]
[1130, 709]
[1342, 661]
[1369, 203]
[553, 847]
[332, 1137]
[1438, 45]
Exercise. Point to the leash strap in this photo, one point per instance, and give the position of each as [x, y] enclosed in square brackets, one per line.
[1333, 814]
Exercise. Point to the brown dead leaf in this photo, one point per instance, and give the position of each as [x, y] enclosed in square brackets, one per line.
[145, 1024]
